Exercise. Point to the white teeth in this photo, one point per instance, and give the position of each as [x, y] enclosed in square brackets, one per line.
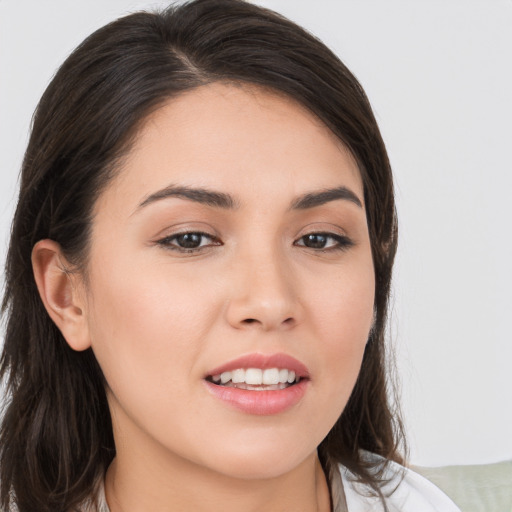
[253, 376]
[249, 378]
[243, 385]
[225, 377]
[271, 376]
[238, 376]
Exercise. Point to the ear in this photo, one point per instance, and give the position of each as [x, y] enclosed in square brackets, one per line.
[62, 293]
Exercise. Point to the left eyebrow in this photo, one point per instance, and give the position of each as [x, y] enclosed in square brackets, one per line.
[313, 199]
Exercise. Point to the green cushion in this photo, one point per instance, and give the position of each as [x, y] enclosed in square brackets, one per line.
[481, 488]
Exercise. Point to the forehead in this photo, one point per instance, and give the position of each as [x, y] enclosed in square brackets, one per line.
[240, 138]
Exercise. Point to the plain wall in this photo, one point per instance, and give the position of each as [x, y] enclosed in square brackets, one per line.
[439, 76]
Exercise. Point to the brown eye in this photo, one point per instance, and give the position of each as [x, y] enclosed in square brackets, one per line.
[189, 242]
[315, 240]
[325, 241]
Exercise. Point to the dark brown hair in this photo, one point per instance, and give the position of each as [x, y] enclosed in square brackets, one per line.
[56, 435]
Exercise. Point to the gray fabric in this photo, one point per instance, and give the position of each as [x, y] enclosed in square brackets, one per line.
[478, 488]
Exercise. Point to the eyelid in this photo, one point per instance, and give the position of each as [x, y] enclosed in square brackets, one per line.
[325, 228]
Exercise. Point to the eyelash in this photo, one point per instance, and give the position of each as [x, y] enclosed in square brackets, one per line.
[343, 243]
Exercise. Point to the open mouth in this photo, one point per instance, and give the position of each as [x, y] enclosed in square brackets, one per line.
[282, 378]
[256, 379]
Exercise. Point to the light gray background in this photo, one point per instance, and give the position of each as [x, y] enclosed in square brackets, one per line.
[438, 74]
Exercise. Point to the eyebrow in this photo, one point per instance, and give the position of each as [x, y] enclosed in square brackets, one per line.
[312, 199]
[228, 202]
[196, 194]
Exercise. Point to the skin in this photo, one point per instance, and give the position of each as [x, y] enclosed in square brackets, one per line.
[158, 318]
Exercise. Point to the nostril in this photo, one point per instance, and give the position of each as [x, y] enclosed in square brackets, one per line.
[248, 321]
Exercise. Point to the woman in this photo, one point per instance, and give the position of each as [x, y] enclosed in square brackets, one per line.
[198, 277]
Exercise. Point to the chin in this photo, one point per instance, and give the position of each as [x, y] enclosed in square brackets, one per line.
[257, 462]
[258, 469]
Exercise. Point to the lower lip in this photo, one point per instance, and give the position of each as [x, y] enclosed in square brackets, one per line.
[260, 402]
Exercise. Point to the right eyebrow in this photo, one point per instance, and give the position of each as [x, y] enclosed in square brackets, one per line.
[197, 194]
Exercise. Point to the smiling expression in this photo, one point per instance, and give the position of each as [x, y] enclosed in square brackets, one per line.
[235, 228]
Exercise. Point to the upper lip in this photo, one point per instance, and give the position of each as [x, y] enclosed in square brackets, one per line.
[263, 361]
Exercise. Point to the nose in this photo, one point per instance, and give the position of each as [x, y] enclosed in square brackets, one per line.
[264, 294]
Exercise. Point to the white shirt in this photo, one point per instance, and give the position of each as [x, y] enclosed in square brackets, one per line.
[411, 492]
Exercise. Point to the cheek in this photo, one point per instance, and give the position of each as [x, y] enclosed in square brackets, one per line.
[343, 304]
[142, 324]
[343, 316]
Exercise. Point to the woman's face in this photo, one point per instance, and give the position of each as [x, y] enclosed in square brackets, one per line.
[235, 229]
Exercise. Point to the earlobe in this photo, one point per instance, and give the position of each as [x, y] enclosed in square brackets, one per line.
[59, 290]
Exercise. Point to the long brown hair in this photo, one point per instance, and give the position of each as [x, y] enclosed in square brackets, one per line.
[56, 434]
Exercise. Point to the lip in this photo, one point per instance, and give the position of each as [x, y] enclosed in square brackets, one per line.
[261, 402]
[263, 361]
